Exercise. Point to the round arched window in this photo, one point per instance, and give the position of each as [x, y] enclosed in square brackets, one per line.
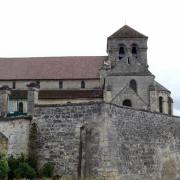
[133, 85]
[121, 51]
[127, 102]
[134, 50]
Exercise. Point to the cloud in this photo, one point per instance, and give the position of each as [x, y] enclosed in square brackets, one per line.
[177, 112]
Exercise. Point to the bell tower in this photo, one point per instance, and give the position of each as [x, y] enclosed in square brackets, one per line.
[127, 46]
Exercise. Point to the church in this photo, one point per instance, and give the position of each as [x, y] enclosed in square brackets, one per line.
[93, 117]
[122, 77]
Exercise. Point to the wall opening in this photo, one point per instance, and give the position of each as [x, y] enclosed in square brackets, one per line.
[170, 106]
[121, 51]
[82, 84]
[161, 104]
[127, 102]
[134, 50]
[133, 85]
[20, 107]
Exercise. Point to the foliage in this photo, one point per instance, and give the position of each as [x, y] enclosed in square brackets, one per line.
[3, 167]
[20, 167]
[25, 171]
[47, 170]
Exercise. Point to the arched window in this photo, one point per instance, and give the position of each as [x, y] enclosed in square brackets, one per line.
[134, 50]
[82, 84]
[133, 85]
[20, 107]
[161, 104]
[170, 106]
[127, 102]
[121, 51]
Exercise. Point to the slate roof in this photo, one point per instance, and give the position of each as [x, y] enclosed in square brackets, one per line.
[83, 67]
[127, 32]
[59, 94]
[161, 87]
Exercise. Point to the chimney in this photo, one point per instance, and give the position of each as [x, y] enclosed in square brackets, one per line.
[32, 99]
[5, 91]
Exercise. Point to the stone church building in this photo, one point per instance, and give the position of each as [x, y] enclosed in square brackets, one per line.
[122, 77]
[95, 117]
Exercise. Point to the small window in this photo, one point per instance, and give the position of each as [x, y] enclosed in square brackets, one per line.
[60, 84]
[161, 104]
[82, 84]
[14, 85]
[38, 83]
[121, 51]
[133, 85]
[134, 50]
[127, 102]
[20, 107]
[170, 106]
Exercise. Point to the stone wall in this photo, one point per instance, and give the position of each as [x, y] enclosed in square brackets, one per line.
[16, 130]
[108, 141]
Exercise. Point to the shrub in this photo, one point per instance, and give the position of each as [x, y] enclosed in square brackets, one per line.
[3, 167]
[25, 171]
[47, 170]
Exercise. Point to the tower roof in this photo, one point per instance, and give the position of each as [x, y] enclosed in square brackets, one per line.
[127, 32]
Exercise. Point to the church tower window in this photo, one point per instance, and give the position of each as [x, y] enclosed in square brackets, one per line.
[127, 102]
[121, 51]
[134, 50]
[133, 85]
[161, 104]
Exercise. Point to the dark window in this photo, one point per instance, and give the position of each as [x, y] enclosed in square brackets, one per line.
[14, 85]
[161, 104]
[121, 52]
[38, 83]
[60, 84]
[169, 106]
[82, 84]
[134, 50]
[127, 102]
[20, 107]
[133, 85]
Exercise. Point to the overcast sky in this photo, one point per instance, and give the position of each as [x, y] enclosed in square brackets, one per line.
[81, 27]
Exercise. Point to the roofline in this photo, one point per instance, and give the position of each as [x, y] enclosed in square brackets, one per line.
[127, 37]
[48, 79]
[33, 57]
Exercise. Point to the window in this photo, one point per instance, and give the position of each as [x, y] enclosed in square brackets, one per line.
[170, 106]
[38, 83]
[20, 107]
[121, 51]
[127, 102]
[134, 50]
[14, 85]
[133, 85]
[60, 84]
[161, 104]
[82, 84]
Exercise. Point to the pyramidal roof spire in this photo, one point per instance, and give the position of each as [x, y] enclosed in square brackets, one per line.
[127, 32]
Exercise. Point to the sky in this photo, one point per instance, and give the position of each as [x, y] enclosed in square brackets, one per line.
[30, 28]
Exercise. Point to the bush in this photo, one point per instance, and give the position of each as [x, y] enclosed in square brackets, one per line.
[48, 170]
[3, 167]
[25, 171]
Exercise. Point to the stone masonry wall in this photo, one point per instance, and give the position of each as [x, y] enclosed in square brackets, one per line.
[16, 130]
[106, 141]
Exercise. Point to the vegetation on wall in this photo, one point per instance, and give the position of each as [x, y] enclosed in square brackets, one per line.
[3, 167]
